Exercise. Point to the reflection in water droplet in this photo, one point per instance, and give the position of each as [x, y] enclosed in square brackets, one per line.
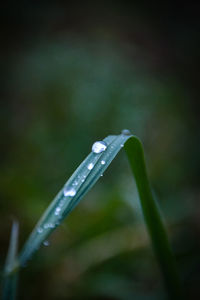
[39, 230]
[75, 182]
[103, 162]
[69, 192]
[46, 243]
[57, 211]
[46, 225]
[90, 166]
[126, 132]
[99, 147]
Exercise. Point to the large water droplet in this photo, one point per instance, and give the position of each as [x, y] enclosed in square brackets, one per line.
[103, 162]
[126, 132]
[68, 191]
[90, 166]
[99, 147]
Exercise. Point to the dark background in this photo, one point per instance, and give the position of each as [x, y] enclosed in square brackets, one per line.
[73, 73]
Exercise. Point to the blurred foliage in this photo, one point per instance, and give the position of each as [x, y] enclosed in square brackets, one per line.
[71, 80]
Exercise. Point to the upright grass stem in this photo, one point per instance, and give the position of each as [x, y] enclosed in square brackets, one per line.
[152, 217]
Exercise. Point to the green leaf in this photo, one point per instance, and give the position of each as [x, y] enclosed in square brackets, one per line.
[82, 181]
[11, 266]
[152, 217]
[78, 185]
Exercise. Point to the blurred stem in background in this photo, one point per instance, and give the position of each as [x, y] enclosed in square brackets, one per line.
[10, 280]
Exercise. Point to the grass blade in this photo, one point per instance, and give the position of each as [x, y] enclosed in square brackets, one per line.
[11, 271]
[83, 179]
[73, 191]
[152, 217]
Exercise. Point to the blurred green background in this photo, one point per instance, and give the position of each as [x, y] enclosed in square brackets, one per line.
[75, 73]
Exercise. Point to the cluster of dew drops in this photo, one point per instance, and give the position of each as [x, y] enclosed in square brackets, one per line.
[97, 148]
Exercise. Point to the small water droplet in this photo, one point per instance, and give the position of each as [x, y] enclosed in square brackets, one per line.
[126, 132]
[83, 180]
[69, 192]
[99, 147]
[103, 162]
[90, 166]
[46, 243]
[39, 230]
[101, 175]
[122, 145]
[46, 225]
[57, 211]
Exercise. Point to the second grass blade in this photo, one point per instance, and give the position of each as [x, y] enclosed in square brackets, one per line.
[152, 217]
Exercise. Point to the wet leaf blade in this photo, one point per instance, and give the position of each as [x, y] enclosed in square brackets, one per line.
[81, 181]
[85, 179]
[9, 285]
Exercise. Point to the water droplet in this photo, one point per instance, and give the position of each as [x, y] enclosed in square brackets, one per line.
[90, 166]
[75, 182]
[122, 145]
[46, 225]
[83, 180]
[103, 162]
[126, 132]
[39, 230]
[51, 225]
[57, 211]
[99, 147]
[69, 192]
[101, 175]
[46, 243]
